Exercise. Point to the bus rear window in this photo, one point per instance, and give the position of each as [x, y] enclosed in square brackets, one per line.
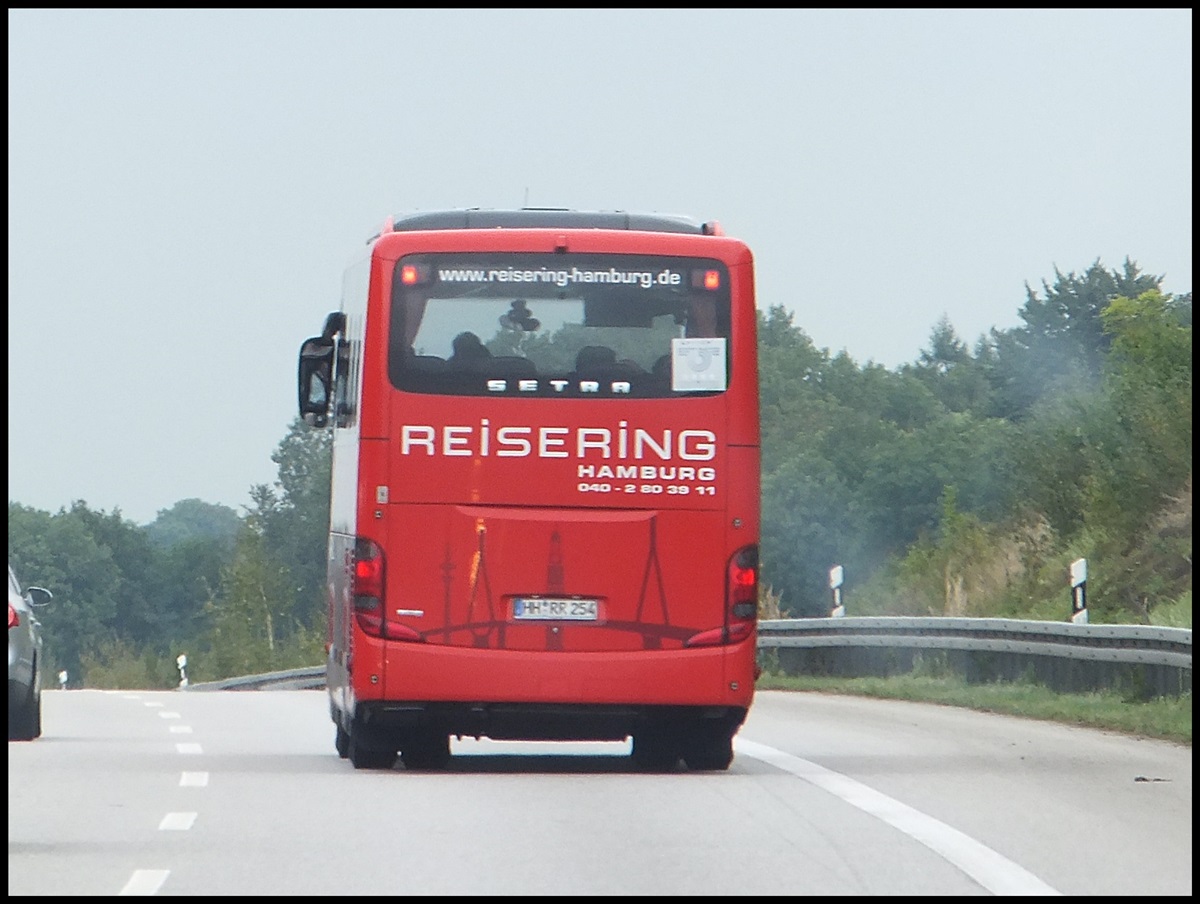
[569, 325]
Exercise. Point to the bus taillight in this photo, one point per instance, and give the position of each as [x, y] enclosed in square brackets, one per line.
[741, 595]
[368, 574]
[367, 586]
[370, 579]
[743, 585]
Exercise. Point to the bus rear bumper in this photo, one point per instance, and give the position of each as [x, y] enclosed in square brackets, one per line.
[542, 721]
[721, 675]
[517, 695]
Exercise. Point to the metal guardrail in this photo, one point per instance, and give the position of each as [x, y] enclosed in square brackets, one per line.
[287, 680]
[1110, 643]
[1138, 659]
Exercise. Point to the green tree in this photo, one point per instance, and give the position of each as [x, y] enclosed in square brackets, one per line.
[910, 403]
[809, 526]
[1054, 459]
[946, 351]
[1151, 384]
[904, 475]
[250, 618]
[186, 580]
[794, 409]
[1062, 344]
[294, 517]
[136, 618]
[270, 608]
[950, 372]
[1138, 500]
[58, 552]
[191, 519]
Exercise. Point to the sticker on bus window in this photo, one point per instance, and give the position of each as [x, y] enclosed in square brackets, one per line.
[697, 365]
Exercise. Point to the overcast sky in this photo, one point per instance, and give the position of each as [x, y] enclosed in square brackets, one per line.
[186, 186]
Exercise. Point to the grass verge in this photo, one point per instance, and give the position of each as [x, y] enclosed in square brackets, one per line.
[1164, 718]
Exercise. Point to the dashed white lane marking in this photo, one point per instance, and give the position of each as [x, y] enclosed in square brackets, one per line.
[993, 871]
[166, 714]
[189, 748]
[177, 822]
[193, 780]
[181, 729]
[152, 703]
[145, 882]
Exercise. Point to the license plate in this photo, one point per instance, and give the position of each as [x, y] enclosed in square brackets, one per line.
[548, 608]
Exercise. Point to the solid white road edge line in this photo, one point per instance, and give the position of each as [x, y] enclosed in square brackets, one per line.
[996, 873]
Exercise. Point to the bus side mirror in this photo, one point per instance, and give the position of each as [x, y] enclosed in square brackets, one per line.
[315, 378]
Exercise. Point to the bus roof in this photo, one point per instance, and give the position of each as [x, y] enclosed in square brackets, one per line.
[546, 218]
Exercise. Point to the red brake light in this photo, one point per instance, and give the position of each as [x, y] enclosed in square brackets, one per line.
[368, 588]
[13, 618]
[741, 596]
[368, 571]
[743, 583]
[414, 274]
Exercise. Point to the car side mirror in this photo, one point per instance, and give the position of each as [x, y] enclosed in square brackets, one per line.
[39, 596]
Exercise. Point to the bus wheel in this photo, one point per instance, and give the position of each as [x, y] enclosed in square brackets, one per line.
[708, 753]
[426, 750]
[654, 751]
[362, 756]
[341, 742]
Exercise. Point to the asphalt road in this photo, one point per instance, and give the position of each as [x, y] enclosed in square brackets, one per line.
[241, 793]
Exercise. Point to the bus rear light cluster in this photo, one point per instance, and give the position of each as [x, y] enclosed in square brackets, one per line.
[368, 586]
[742, 584]
[741, 598]
[369, 574]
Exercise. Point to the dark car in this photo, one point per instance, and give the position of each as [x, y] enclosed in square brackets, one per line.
[24, 659]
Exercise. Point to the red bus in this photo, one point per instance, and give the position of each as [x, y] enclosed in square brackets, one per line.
[545, 497]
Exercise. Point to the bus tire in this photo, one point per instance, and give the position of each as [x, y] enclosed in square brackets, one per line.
[341, 742]
[654, 751]
[366, 756]
[709, 754]
[426, 750]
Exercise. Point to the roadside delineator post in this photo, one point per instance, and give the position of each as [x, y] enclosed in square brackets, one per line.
[181, 662]
[837, 576]
[1078, 571]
